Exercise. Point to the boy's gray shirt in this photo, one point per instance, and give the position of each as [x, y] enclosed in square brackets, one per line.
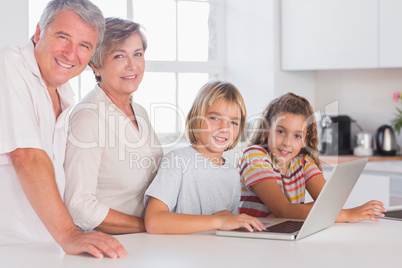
[190, 184]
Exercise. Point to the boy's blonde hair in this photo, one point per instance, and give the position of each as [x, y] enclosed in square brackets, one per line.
[294, 104]
[209, 93]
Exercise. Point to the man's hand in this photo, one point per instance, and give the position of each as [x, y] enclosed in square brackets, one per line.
[94, 243]
[36, 174]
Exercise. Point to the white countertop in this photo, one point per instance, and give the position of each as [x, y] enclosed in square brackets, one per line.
[387, 168]
[365, 244]
[393, 167]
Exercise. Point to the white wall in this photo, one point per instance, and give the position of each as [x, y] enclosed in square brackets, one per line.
[300, 83]
[13, 22]
[250, 51]
[365, 95]
[253, 46]
[253, 49]
[253, 58]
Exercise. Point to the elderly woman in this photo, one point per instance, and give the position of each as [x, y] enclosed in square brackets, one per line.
[112, 151]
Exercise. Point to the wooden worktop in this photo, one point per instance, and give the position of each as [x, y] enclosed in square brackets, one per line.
[344, 158]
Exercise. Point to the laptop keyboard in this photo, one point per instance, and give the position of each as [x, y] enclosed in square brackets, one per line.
[287, 227]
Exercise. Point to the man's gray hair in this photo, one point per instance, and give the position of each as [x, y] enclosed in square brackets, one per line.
[88, 12]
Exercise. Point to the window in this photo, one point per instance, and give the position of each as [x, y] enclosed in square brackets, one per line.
[185, 50]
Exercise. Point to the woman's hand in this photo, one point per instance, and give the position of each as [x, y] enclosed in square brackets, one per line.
[230, 222]
[368, 211]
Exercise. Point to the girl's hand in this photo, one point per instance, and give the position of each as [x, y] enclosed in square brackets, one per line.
[231, 222]
[368, 211]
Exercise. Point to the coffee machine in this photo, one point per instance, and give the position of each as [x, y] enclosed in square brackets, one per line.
[335, 135]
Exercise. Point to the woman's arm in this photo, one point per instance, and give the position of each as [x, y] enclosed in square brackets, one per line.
[83, 158]
[120, 223]
[272, 196]
[158, 220]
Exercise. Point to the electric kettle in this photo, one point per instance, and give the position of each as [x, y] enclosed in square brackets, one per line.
[386, 141]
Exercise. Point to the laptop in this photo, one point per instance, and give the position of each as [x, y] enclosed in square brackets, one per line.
[323, 213]
[392, 214]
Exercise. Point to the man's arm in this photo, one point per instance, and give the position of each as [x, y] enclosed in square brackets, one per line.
[36, 175]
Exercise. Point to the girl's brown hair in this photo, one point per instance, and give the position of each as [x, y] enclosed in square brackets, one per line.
[294, 104]
[209, 93]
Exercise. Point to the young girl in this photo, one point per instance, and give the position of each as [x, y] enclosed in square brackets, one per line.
[282, 162]
[196, 189]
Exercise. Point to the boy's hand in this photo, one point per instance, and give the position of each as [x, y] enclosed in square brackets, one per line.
[240, 221]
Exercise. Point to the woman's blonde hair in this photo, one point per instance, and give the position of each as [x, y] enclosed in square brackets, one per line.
[294, 104]
[209, 93]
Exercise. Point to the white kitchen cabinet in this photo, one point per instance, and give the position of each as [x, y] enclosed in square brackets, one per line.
[368, 187]
[390, 33]
[329, 34]
[341, 34]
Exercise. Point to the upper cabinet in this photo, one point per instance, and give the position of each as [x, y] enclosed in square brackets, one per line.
[390, 33]
[341, 34]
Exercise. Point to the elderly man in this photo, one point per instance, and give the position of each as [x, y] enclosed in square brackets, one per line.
[35, 97]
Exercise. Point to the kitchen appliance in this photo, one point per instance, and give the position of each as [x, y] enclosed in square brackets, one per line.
[364, 144]
[335, 135]
[386, 140]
